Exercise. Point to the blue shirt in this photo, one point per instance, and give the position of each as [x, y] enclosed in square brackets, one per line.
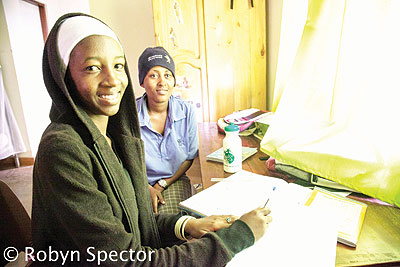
[180, 142]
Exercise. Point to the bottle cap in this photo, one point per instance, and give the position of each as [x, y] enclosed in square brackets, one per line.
[231, 128]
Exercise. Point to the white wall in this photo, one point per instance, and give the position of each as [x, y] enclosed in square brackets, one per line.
[34, 98]
[132, 21]
[21, 52]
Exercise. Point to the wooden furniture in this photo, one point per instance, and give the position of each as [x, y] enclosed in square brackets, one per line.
[15, 223]
[219, 52]
[379, 242]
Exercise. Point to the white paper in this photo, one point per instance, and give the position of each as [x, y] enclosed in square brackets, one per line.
[295, 237]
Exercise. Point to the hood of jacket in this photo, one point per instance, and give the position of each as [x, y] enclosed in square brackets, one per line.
[63, 103]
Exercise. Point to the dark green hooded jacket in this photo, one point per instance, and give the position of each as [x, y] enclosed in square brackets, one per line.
[85, 203]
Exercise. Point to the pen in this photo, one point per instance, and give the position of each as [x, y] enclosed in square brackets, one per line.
[273, 189]
[264, 158]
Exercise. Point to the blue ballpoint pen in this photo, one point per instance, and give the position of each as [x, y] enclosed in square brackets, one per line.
[273, 189]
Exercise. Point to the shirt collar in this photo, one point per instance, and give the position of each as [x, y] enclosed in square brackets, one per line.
[175, 111]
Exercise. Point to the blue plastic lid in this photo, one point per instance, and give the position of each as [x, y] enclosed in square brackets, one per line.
[231, 128]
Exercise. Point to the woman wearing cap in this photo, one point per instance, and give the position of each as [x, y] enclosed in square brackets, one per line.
[90, 192]
[169, 131]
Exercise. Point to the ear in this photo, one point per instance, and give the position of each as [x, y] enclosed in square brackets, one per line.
[142, 85]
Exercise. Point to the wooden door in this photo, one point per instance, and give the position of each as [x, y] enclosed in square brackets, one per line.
[179, 28]
[236, 55]
[219, 52]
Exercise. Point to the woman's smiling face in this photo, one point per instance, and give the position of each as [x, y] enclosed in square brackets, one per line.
[97, 67]
[159, 84]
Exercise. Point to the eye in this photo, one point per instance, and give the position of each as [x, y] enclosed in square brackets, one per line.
[119, 66]
[153, 75]
[92, 68]
[168, 75]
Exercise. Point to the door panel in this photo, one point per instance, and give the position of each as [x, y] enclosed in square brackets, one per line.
[179, 28]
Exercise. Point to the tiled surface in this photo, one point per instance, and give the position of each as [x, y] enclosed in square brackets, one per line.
[20, 182]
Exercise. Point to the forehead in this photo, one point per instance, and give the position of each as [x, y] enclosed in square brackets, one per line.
[159, 69]
[97, 45]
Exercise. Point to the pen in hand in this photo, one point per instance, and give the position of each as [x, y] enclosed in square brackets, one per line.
[273, 189]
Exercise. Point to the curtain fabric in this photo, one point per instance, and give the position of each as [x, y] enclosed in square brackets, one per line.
[11, 142]
[337, 104]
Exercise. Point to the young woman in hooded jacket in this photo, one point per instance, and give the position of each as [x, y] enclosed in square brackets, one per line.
[91, 203]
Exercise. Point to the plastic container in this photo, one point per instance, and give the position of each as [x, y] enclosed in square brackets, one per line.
[232, 145]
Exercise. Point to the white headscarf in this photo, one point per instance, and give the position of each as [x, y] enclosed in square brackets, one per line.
[75, 29]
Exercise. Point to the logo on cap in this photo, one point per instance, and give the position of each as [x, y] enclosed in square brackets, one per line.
[167, 58]
[154, 57]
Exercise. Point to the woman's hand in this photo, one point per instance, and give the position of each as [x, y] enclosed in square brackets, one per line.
[258, 221]
[156, 197]
[198, 227]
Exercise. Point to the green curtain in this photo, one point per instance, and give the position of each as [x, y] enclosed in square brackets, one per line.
[337, 106]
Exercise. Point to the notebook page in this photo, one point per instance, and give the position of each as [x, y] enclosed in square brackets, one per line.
[297, 236]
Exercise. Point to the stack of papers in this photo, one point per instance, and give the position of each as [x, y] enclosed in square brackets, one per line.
[245, 116]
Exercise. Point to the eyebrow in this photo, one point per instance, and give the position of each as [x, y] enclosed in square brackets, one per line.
[98, 58]
[161, 71]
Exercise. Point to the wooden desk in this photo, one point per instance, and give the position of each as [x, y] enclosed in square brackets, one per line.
[379, 242]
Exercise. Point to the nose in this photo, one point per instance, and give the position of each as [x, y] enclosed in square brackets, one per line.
[110, 77]
[162, 80]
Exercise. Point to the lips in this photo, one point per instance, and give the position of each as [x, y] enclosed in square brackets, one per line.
[110, 99]
[162, 91]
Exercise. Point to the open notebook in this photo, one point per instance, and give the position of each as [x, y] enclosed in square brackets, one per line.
[307, 221]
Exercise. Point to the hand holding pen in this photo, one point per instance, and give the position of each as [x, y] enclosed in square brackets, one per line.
[258, 220]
